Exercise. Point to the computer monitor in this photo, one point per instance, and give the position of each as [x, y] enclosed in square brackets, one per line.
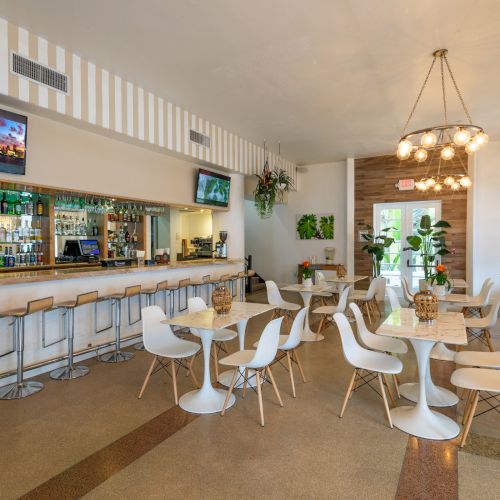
[89, 247]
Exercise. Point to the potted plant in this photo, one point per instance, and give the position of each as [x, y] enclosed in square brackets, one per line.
[440, 277]
[271, 186]
[430, 242]
[306, 274]
[376, 246]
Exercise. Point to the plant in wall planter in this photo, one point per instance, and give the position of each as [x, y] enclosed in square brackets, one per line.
[271, 187]
[429, 242]
[376, 246]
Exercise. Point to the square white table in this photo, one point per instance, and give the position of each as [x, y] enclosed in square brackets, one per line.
[208, 399]
[306, 292]
[449, 328]
[346, 280]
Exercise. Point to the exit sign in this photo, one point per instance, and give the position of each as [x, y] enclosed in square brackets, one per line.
[406, 184]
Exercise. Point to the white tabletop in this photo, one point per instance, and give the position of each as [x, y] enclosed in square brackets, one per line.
[449, 327]
[460, 283]
[455, 298]
[210, 320]
[345, 279]
[300, 287]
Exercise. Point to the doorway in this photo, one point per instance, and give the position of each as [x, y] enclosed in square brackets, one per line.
[404, 220]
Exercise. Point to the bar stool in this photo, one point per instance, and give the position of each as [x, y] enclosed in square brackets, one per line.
[70, 371]
[21, 389]
[117, 356]
[242, 278]
[150, 294]
[184, 284]
[206, 281]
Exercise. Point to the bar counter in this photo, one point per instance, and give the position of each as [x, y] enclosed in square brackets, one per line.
[17, 288]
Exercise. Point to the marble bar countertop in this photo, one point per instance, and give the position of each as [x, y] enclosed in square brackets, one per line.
[22, 277]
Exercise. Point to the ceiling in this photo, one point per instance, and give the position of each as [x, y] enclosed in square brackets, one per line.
[329, 79]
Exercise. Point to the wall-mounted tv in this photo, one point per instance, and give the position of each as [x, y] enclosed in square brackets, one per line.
[13, 130]
[212, 188]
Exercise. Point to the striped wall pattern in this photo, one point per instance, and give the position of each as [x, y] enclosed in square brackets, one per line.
[105, 100]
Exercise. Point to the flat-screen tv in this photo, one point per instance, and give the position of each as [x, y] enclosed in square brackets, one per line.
[13, 129]
[212, 188]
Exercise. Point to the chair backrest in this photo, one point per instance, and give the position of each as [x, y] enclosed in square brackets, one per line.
[155, 334]
[381, 285]
[162, 285]
[268, 345]
[196, 304]
[406, 290]
[485, 293]
[352, 350]
[342, 304]
[132, 291]
[320, 278]
[373, 288]
[492, 315]
[38, 305]
[297, 329]
[393, 298]
[86, 298]
[273, 294]
[363, 332]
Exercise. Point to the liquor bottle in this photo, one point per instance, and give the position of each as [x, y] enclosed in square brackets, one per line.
[3, 233]
[10, 205]
[17, 206]
[8, 236]
[15, 235]
[2, 257]
[4, 208]
[26, 233]
[39, 207]
[95, 229]
[29, 206]
[38, 231]
[127, 235]
[83, 228]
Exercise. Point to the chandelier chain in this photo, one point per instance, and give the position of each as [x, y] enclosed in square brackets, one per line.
[443, 88]
[459, 94]
[419, 96]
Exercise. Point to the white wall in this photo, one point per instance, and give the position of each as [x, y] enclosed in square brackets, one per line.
[272, 242]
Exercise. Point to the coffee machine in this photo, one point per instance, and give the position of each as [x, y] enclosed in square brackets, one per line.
[221, 246]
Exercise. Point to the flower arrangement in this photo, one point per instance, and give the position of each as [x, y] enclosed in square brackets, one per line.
[440, 277]
[306, 271]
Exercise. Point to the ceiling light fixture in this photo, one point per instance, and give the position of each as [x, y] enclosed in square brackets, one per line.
[444, 139]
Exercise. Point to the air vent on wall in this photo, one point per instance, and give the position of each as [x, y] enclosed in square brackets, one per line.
[39, 73]
[201, 139]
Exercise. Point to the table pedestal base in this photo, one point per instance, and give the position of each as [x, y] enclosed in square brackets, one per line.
[205, 400]
[310, 336]
[424, 423]
[226, 377]
[436, 396]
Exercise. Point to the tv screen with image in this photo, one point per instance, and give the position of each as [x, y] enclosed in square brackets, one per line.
[212, 188]
[13, 129]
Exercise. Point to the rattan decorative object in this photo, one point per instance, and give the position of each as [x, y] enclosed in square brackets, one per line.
[426, 306]
[341, 271]
[221, 299]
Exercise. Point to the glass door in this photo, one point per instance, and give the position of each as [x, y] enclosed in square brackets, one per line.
[404, 220]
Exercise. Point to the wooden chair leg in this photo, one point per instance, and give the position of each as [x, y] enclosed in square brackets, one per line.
[470, 397]
[216, 362]
[384, 397]
[299, 364]
[190, 366]
[229, 392]
[487, 334]
[470, 416]
[358, 376]
[320, 327]
[389, 390]
[244, 391]
[259, 394]
[367, 308]
[348, 392]
[148, 376]
[275, 387]
[193, 376]
[174, 381]
[290, 369]
[396, 385]
[378, 307]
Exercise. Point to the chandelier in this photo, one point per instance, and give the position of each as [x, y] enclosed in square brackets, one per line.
[443, 140]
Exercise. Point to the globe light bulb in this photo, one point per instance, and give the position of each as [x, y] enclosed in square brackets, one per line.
[438, 187]
[481, 139]
[471, 147]
[465, 181]
[404, 149]
[428, 140]
[447, 153]
[461, 137]
[449, 180]
[455, 186]
[421, 186]
[430, 182]
[420, 155]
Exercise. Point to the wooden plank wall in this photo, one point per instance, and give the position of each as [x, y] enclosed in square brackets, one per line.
[375, 180]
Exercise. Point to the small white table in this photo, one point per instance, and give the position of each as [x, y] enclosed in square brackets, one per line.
[306, 292]
[208, 399]
[460, 283]
[449, 328]
[343, 282]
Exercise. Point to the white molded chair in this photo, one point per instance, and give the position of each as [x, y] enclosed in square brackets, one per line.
[480, 328]
[259, 360]
[321, 280]
[160, 341]
[288, 346]
[196, 304]
[367, 299]
[364, 360]
[393, 299]
[407, 293]
[329, 311]
[476, 380]
[283, 308]
[478, 359]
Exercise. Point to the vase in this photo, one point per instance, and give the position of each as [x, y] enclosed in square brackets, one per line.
[221, 299]
[308, 282]
[426, 306]
[439, 290]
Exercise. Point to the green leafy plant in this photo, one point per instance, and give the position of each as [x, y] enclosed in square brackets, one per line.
[429, 242]
[376, 246]
[307, 226]
[440, 277]
[271, 186]
[326, 226]
[306, 270]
